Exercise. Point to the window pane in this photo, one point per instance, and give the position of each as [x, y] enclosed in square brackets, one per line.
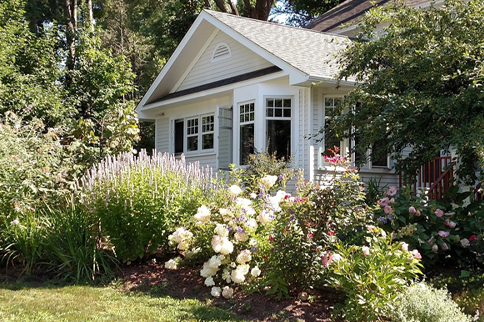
[246, 142]
[278, 112]
[375, 161]
[279, 138]
[328, 102]
[192, 143]
[270, 103]
[179, 134]
[207, 141]
[278, 102]
[287, 103]
[207, 123]
[270, 112]
[330, 143]
[287, 112]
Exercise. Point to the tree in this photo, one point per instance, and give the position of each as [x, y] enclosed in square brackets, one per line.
[301, 12]
[419, 85]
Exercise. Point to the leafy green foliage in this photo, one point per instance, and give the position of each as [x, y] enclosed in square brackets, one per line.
[447, 231]
[422, 302]
[372, 276]
[139, 201]
[420, 84]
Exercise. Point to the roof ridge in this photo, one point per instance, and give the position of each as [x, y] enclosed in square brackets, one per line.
[213, 13]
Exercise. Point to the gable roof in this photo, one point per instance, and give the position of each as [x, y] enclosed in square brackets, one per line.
[349, 12]
[305, 55]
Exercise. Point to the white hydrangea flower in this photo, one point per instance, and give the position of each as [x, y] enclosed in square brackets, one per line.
[209, 281]
[265, 216]
[244, 257]
[241, 236]
[171, 264]
[227, 214]
[227, 292]
[227, 246]
[251, 224]
[181, 237]
[221, 230]
[243, 202]
[268, 181]
[238, 274]
[203, 214]
[216, 291]
[226, 276]
[234, 190]
[253, 195]
[255, 271]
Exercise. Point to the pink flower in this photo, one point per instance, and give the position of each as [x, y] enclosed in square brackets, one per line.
[452, 224]
[388, 210]
[431, 241]
[384, 202]
[412, 210]
[404, 246]
[326, 259]
[391, 191]
[439, 213]
[416, 254]
[310, 235]
[365, 250]
[435, 248]
[445, 246]
[443, 233]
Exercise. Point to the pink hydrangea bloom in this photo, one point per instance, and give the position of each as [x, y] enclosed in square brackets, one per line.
[412, 210]
[439, 213]
[388, 210]
[443, 233]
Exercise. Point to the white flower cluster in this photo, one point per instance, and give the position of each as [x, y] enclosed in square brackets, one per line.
[182, 238]
[233, 241]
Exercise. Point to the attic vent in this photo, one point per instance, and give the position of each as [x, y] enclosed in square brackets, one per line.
[222, 51]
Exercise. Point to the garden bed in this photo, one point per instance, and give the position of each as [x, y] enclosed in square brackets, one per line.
[185, 283]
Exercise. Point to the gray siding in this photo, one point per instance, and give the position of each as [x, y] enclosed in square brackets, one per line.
[162, 135]
[205, 160]
[242, 61]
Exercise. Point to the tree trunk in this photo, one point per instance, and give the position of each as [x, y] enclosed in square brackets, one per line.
[221, 5]
[234, 8]
[70, 14]
[90, 15]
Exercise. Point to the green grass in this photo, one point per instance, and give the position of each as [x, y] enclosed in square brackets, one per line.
[86, 303]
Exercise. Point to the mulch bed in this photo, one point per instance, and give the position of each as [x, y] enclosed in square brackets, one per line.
[186, 283]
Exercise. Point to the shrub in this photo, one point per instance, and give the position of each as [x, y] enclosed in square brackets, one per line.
[312, 223]
[449, 230]
[422, 302]
[140, 200]
[372, 275]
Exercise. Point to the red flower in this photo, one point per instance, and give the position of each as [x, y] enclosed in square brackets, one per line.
[331, 233]
[310, 235]
[472, 238]
[271, 238]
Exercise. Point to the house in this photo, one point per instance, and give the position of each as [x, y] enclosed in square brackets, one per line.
[236, 85]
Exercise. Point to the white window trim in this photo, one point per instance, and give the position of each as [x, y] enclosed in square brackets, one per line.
[199, 151]
[238, 124]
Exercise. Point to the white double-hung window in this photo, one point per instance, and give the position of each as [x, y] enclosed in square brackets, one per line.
[246, 134]
[194, 134]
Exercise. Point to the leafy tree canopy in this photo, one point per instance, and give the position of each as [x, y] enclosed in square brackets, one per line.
[419, 85]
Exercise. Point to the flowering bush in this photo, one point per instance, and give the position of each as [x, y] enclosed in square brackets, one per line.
[372, 275]
[311, 223]
[139, 200]
[441, 230]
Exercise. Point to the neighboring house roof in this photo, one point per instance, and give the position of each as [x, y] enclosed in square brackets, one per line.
[349, 12]
[302, 54]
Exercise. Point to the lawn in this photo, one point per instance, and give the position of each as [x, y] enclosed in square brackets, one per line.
[21, 302]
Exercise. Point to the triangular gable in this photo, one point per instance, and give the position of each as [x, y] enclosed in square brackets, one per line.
[301, 54]
[231, 59]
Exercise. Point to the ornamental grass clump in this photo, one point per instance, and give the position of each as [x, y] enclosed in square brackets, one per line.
[139, 200]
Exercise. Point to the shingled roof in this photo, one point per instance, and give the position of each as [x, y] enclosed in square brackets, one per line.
[309, 51]
[350, 12]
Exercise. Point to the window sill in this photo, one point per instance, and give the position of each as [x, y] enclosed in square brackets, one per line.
[199, 154]
[362, 170]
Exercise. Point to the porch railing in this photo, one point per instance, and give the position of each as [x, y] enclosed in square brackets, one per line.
[435, 177]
